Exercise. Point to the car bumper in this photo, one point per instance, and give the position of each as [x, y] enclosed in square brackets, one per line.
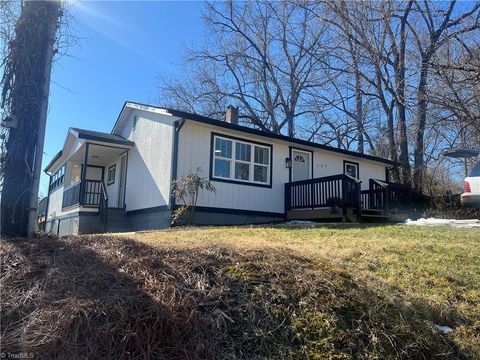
[470, 200]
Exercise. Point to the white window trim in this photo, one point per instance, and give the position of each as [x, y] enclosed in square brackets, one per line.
[232, 162]
[351, 164]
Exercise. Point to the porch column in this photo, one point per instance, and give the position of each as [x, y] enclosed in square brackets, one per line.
[84, 176]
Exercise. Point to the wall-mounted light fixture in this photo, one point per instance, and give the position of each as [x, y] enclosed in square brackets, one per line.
[288, 163]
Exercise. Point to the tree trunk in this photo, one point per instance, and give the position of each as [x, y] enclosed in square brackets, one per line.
[419, 149]
[359, 108]
[22, 97]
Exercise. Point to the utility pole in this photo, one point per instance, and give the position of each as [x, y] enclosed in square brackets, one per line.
[42, 122]
[24, 98]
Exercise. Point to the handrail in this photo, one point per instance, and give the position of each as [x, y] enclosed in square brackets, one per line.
[325, 178]
[341, 190]
[103, 205]
[65, 188]
[358, 181]
[104, 191]
[381, 183]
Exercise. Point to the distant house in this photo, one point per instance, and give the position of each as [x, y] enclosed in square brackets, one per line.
[120, 181]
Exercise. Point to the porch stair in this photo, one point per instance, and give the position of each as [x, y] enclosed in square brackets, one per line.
[374, 215]
[118, 221]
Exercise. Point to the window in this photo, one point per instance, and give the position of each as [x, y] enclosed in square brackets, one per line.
[75, 173]
[111, 174]
[351, 169]
[57, 178]
[241, 161]
[299, 158]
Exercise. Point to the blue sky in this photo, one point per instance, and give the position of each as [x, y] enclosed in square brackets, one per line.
[122, 49]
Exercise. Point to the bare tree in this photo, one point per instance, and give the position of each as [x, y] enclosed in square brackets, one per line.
[263, 56]
[440, 26]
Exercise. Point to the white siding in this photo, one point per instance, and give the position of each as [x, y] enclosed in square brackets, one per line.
[150, 161]
[112, 189]
[194, 151]
[326, 163]
[55, 203]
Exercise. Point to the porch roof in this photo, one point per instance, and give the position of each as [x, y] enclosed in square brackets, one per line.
[101, 136]
[85, 135]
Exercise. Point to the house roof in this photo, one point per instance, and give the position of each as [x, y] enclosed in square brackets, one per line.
[224, 124]
[101, 136]
[90, 135]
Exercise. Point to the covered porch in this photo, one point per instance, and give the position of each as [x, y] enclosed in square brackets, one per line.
[89, 171]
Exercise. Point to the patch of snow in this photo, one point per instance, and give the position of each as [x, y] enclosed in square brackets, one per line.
[299, 222]
[443, 329]
[444, 222]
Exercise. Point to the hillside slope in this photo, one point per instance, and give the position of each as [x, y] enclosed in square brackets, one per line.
[242, 293]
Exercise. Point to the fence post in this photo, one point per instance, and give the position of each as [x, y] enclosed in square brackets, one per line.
[287, 199]
[358, 194]
[386, 192]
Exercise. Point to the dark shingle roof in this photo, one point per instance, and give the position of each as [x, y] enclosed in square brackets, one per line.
[101, 136]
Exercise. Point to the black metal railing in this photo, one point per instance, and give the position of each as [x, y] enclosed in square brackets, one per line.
[71, 195]
[42, 206]
[337, 190]
[86, 193]
[92, 192]
[103, 206]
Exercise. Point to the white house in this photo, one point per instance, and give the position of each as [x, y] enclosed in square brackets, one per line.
[121, 181]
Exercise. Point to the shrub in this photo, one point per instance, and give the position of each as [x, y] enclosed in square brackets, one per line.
[186, 189]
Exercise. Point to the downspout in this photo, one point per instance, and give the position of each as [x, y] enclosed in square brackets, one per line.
[48, 198]
[176, 132]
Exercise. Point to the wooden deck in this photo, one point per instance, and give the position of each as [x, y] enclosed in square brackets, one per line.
[340, 198]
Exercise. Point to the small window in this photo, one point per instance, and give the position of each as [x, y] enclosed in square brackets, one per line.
[299, 158]
[57, 178]
[111, 174]
[242, 161]
[135, 119]
[75, 173]
[351, 169]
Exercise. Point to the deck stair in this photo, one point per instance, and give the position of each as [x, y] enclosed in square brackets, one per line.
[374, 215]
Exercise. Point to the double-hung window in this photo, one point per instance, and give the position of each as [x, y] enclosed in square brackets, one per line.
[242, 161]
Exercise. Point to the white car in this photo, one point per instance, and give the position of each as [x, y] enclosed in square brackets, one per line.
[471, 187]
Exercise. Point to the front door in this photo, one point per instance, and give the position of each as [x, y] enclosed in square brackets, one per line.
[121, 183]
[301, 165]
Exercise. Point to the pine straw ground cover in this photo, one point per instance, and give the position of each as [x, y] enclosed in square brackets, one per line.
[244, 293]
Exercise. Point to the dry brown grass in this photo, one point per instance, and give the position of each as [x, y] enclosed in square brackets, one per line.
[230, 293]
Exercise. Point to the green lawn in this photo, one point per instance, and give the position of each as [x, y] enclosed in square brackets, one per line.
[434, 271]
[329, 292]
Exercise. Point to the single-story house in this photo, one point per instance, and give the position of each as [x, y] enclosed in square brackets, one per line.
[121, 181]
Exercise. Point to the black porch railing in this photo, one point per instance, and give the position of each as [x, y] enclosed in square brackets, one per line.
[71, 196]
[345, 191]
[88, 193]
[386, 196]
[337, 190]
